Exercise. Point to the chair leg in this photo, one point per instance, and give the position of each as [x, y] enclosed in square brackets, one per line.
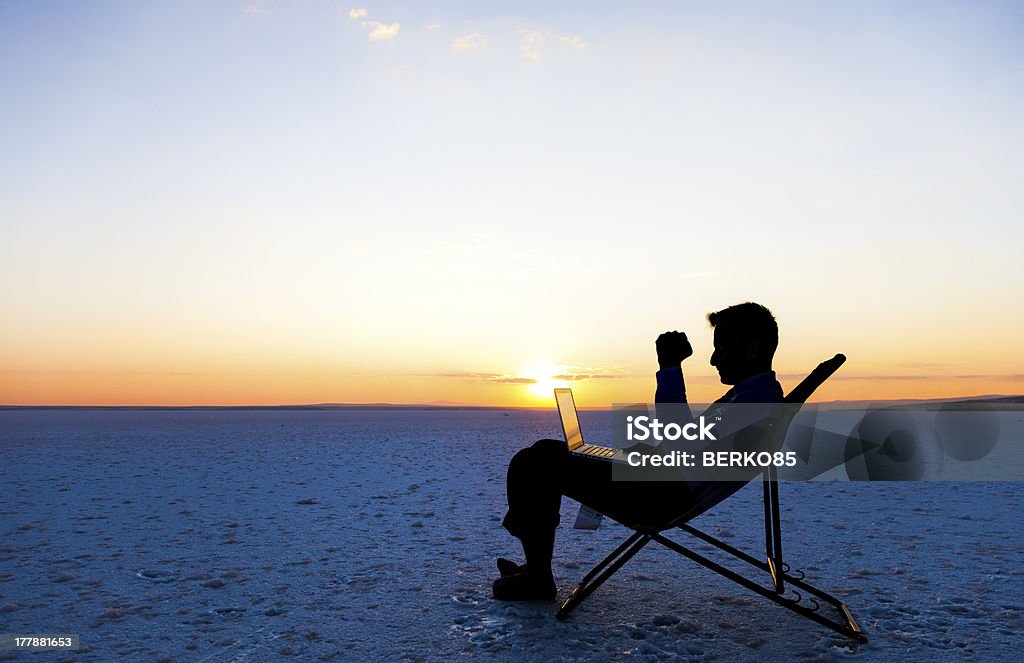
[848, 626]
[775, 562]
[604, 570]
[773, 530]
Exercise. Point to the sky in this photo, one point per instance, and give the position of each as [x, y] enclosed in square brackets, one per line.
[259, 202]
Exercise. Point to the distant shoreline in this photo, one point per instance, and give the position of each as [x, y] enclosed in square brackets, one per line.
[969, 400]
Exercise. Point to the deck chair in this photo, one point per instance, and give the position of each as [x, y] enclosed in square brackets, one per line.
[774, 566]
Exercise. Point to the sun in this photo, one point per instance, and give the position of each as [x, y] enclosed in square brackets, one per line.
[546, 379]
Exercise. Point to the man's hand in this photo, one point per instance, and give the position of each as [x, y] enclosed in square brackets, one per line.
[673, 348]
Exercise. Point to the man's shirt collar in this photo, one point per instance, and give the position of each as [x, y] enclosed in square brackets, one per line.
[759, 388]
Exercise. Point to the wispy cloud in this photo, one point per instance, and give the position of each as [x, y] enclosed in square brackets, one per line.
[501, 378]
[569, 374]
[578, 377]
[434, 25]
[378, 31]
[1015, 377]
[254, 8]
[381, 32]
[533, 42]
[511, 379]
[468, 43]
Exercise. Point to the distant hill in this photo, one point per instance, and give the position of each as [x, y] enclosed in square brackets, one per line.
[995, 399]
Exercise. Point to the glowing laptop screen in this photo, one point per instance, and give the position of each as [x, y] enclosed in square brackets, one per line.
[570, 422]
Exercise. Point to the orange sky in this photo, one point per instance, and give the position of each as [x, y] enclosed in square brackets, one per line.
[255, 386]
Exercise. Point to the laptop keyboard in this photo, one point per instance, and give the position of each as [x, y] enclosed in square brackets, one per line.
[594, 450]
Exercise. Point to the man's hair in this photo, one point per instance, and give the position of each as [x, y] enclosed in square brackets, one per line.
[749, 322]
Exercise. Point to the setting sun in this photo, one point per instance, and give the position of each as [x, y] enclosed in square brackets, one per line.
[545, 378]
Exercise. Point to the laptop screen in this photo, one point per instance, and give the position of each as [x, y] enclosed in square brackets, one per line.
[570, 422]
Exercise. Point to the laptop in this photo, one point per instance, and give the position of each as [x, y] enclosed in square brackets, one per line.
[573, 434]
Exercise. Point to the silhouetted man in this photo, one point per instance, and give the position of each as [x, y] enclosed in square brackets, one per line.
[745, 339]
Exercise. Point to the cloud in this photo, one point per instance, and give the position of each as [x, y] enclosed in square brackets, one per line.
[468, 43]
[611, 372]
[434, 25]
[573, 41]
[576, 377]
[254, 8]
[571, 375]
[380, 31]
[532, 44]
[1016, 377]
[500, 378]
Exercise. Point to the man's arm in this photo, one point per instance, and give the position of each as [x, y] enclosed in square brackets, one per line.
[670, 396]
[672, 347]
[671, 386]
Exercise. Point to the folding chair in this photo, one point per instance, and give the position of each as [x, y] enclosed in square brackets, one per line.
[780, 572]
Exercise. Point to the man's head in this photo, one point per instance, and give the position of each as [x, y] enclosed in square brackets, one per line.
[746, 337]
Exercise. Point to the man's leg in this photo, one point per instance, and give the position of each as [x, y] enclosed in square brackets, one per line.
[537, 478]
[533, 487]
[632, 503]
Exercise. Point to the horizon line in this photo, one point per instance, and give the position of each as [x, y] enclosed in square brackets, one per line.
[451, 406]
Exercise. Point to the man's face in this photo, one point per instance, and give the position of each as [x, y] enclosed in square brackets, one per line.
[728, 356]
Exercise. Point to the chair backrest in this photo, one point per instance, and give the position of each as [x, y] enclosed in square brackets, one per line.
[809, 384]
[798, 396]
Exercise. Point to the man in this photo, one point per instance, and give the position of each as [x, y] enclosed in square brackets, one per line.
[745, 339]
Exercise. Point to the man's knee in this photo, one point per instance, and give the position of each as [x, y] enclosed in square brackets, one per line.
[548, 446]
[542, 453]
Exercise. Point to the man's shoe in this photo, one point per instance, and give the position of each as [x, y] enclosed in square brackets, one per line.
[524, 587]
[507, 567]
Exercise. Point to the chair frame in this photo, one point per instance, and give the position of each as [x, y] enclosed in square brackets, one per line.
[780, 571]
